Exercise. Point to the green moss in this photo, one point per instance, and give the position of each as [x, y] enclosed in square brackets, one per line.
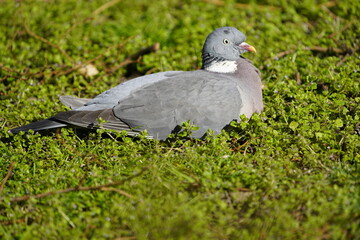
[291, 172]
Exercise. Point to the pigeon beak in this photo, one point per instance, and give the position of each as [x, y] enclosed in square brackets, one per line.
[247, 47]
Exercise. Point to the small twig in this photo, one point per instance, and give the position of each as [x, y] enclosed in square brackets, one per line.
[328, 4]
[13, 39]
[239, 147]
[152, 70]
[3, 78]
[124, 63]
[105, 6]
[7, 176]
[34, 35]
[284, 53]
[153, 48]
[10, 70]
[325, 8]
[324, 49]
[8, 222]
[79, 188]
[242, 189]
[66, 218]
[111, 189]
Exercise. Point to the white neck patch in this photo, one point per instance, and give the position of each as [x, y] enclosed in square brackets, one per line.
[222, 67]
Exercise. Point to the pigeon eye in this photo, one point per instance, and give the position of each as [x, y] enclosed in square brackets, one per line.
[226, 41]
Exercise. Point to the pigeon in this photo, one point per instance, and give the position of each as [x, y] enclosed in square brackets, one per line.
[226, 87]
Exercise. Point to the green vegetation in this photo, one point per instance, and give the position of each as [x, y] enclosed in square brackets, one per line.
[291, 172]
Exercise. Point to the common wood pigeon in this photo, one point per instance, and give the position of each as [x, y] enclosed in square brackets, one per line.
[227, 86]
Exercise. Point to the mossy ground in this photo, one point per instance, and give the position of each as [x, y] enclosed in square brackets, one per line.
[291, 172]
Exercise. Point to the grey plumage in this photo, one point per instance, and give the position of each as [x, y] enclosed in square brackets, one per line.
[73, 102]
[227, 86]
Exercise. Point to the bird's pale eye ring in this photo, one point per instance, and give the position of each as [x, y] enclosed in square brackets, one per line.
[226, 41]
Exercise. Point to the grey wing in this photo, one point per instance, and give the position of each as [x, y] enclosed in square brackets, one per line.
[85, 119]
[39, 125]
[73, 102]
[209, 100]
[111, 97]
[90, 119]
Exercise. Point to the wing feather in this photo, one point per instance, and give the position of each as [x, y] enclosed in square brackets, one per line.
[90, 119]
[209, 100]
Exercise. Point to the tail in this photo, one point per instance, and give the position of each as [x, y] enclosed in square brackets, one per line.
[39, 125]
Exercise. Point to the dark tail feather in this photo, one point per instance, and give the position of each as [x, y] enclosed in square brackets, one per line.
[39, 125]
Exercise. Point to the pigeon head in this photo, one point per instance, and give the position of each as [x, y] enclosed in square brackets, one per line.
[224, 44]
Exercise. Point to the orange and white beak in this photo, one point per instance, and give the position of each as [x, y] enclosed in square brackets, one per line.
[246, 47]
